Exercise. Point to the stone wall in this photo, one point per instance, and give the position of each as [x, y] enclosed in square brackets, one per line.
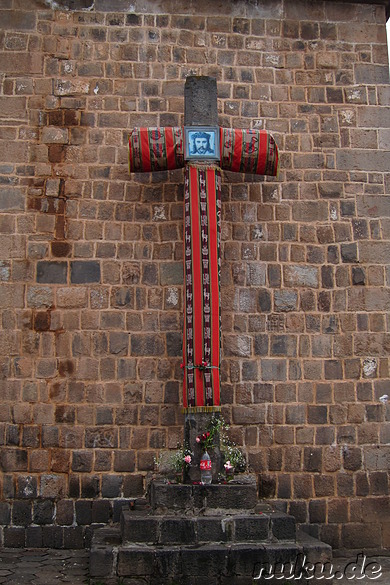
[91, 295]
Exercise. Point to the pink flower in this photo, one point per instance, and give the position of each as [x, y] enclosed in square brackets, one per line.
[187, 459]
[197, 439]
[228, 465]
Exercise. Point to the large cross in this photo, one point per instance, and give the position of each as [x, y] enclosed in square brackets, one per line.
[196, 148]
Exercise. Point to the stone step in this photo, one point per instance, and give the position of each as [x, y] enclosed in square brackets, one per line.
[172, 498]
[104, 546]
[198, 534]
[165, 530]
[217, 563]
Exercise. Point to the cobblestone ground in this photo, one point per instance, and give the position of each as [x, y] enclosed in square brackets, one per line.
[48, 567]
[43, 566]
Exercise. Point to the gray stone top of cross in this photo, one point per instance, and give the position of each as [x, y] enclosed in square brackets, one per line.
[200, 101]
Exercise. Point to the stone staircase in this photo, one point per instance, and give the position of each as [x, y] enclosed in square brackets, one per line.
[196, 534]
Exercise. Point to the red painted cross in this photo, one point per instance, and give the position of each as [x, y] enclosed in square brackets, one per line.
[196, 148]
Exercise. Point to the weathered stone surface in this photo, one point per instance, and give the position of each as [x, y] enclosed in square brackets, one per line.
[302, 276]
[375, 459]
[72, 298]
[384, 139]
[237, 346]
[43, 512]
[171, 496]
[374, 117]
[177, 531]
[139, 528]
[136, 561]
[211, 529]
[371, 73]
[84, 271]
[18, 20]
[11, 295]
[106, 438]
[11, 199]
[146, 345]
[171, 273]
[14, 460]
[52, 272]
[283, 527]
[55, 135]
[369, 299]
[285, 300]
[252, 415]
[211, 561]
[362, 160]
[373, 252]
[200, 101]
[373, 206]
[256, 528]
[101, 561]
[66, 87]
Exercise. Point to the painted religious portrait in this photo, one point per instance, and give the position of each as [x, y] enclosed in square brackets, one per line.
[201, 142]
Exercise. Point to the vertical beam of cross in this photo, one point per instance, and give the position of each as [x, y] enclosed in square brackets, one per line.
[201, 109]
[202, 229]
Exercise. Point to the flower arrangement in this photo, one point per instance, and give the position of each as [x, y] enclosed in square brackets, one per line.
[181, 459]
[233, 456]
[229, 470]
[206, 439]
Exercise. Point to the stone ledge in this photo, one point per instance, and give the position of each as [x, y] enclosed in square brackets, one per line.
[192, 498]
[158, 529]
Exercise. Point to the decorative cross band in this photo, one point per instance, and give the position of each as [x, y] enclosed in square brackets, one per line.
[242, 151]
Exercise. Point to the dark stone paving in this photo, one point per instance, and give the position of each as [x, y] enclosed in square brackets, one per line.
[43, 566]
[49, 566]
